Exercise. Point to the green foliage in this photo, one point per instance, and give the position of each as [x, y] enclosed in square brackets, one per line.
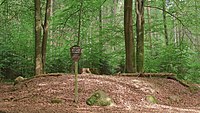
[13, 63]
[16, 39]
[194, 68]
[174, 59]
[59, 60]
[103, 49]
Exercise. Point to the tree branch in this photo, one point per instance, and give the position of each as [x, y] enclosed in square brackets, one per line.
[68, 19]
[176, 19]
[74, 14]
[147, 74]
[79, 22]
[2, 2]
[103, 2]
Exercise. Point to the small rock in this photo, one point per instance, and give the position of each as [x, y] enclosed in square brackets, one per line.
[2, 111]
[151, 99]
[174, 98]
[19, 79]
[56, 101]
[99, 98]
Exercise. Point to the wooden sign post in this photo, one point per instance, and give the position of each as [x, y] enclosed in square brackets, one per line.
[75, 54]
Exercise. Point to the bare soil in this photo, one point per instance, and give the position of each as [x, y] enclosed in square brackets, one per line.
[55, 94]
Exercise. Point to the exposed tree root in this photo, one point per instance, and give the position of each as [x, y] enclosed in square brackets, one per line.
[49, 74]
[147, 74]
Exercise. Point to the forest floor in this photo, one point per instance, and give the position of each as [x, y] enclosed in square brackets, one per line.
[55, 94]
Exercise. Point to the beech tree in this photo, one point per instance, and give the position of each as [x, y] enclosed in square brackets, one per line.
[40, 46]
[165, 23]
[129, 41]
[45, 32]
[149, 25]
[102, 36]
[139, 5]
[38, 54]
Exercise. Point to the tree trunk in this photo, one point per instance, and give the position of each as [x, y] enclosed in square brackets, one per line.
[114, 9]
[51, 26]
[149, 24]
[197, 30]
[79, 23]
[38, 55]
[45, 33]
[100, 34]
[175, 30]
[129, 41]
[139, 5]
[165, 23]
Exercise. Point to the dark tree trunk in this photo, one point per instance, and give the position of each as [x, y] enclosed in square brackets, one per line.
[139, 5]
[45, 33]
[129, 41]
[38, 55]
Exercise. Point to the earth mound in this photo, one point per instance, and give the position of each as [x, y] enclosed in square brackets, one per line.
[55, 94]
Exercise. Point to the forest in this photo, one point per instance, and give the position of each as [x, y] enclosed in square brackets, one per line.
[135, 56]
[170, 37]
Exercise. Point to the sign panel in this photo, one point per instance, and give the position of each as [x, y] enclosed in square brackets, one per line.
[75, 52]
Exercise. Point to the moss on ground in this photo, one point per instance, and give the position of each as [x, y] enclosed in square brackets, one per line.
[99, 98]
[151, 99]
